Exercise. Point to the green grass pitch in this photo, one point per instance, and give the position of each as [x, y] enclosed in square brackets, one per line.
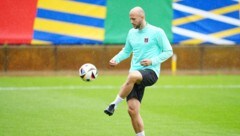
[67, 106]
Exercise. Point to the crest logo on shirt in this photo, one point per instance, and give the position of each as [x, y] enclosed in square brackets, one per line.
[145, 40]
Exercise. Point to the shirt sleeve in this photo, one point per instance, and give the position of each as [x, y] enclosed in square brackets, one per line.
[166, 49]
[125, 52]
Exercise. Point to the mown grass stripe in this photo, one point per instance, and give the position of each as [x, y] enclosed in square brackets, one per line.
[113, 87]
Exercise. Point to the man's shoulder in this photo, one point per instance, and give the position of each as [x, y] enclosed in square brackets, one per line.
[155, 28]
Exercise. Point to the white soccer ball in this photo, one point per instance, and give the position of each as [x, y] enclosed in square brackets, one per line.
[88, 72]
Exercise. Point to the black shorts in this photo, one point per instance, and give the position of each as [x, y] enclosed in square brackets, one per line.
[149, 78]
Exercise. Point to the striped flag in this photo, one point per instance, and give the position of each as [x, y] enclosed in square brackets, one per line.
[69, 22]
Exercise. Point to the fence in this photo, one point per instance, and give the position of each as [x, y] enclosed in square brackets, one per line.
[54, 58]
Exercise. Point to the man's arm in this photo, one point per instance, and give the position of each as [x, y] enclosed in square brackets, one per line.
[167, 51]
[122, 55]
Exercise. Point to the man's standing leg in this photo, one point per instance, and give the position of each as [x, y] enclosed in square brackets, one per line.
[134, 113]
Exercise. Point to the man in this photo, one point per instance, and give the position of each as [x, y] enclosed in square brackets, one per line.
[150, 47]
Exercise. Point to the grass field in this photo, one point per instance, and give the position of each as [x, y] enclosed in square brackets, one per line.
[67, 106]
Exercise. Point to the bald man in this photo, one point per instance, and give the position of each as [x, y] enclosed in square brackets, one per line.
[150, 47]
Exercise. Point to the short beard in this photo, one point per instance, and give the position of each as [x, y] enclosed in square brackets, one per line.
[137, 26]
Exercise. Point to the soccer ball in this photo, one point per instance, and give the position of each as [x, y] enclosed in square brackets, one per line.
[88, 72]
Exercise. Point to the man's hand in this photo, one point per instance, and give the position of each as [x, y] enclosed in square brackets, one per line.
[112, 63]
[146, 62]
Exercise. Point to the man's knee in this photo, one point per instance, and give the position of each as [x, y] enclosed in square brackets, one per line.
[132, 111]
[133, 107]
[135, 77]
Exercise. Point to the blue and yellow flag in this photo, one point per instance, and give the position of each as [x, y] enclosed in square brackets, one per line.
[206, 22]
[69, 22]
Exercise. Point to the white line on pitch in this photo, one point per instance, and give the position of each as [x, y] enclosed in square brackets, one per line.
[115, 87]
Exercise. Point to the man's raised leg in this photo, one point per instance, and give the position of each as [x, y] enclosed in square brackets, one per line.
[133, 77]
